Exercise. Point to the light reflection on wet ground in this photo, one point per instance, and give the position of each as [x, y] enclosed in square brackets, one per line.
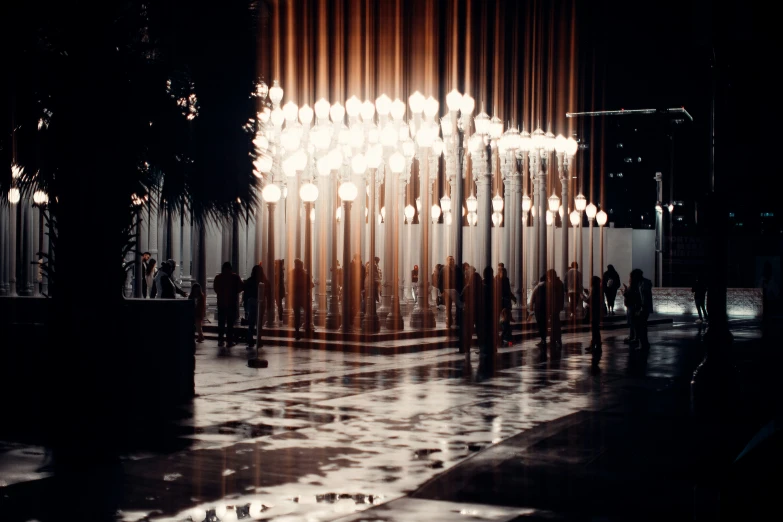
[319, 435]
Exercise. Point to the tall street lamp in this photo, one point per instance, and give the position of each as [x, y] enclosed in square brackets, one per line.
[591, 211]
[309, 193]
[271, 194]
[601, 218]
[137, 271]
[554, 205]
[347, 193]
[550, 222]
[371, 323]
[580, 203]
[526, 203]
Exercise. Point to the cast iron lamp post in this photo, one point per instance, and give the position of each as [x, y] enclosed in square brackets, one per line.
[309, 193]
[271, 195]
[347, 193]
[591, 211]
[601, 218]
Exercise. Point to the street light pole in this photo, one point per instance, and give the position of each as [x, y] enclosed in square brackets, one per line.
[271, 194]
[580, 203]
[347, 193]
[308, 192]
[591, 210]
[370, 322]
[601, 218]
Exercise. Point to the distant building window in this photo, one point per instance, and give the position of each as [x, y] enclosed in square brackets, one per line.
[739, 224]
[628, 160]
[731, 214]
[611, 175]
[611, 211]
[619, 145]
[679, 218]
[767, 214]
[639, 159]
[619, 174]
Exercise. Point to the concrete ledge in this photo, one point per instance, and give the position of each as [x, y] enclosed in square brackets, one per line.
[742, 302]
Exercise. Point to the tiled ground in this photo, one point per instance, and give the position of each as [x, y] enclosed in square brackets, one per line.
[319, 435]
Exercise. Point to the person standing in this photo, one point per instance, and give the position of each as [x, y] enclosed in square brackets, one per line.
[199, 310]
[575, 288]
[555, 297]
[471, 296]
[451, 284]
[415, 282]
[148, 281]
[504, 289]
[488, 324]
[595, 302]
[145, 269]
[300, 280]
[700, 297]
[538, 308]
[250, 300]
[611, 284]
[227, 286]
[279, 287]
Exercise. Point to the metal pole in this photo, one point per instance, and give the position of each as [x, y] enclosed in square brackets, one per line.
[347, 297]
[591, 249]
[308, 325]
[137, 271]
[371, 323]
[270, 249]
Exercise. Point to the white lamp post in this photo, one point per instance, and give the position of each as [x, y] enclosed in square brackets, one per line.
[347, 193]
[580, 203]
[271, 195]
[554, 205]
[371, 323]
[591, 211]
[601, 218]
[309, 193]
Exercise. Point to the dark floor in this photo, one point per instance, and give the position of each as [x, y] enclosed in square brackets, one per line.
[320, 435]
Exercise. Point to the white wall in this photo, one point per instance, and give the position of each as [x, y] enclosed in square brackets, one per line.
[644, 252]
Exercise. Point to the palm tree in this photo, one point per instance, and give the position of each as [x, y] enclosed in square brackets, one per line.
[103, 102]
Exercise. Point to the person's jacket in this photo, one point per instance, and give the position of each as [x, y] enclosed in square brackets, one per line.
[503, 288]
[556, 293]
[451, 279]
[471, 295]
[227, 286]
[645, 290]
[574, 280]
[611, 282]
[538, 300]
[300, 280]
[700, 289]
[595, 301]
[250, 290]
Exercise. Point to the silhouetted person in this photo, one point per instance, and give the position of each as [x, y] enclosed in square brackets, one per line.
[167, 285]
[471, 297]
[199, 310]
[250, 300]
[699, 290]
[503, 287]
[148, 273]
[538, 308]
[227, 286]
[489, 314]
[279, 287]
[595, 301]
[300, 280]
[555, 297]
[640, 305]
[575, 287]
[451, 284]
[611, 284]
[415, 282]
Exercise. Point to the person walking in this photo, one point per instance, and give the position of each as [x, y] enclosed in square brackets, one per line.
[488, 324]
[503, 286]
[451, 285]
[611, 283]
[575, 288]
[300, 280]
[199, 310]
[250, 300]
[227, 286]
[471, 297]
[148, 279]
[638, 303]
[537, 307]
[555, 297]
[700, 297]
[415, 282]
[594, 301]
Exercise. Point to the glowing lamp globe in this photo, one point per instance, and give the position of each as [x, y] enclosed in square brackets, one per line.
[198, 513]
[357, 137]
[495, 128]
[453, 100]
[671, 208]
[435, 213]
[445, 203]
[497, 218]
[554, 203]
[324, 166]
[497, 203]
[467, 104]
[40, 197]
[320, 137]
[482, 123]
[574, 217]
[397, 163]
[560, 144]
[437, 146]
[368, 110]
[264, 163]
[571, 146]
[526, 203]
[308, 192]
[561, 212]
[658, 208]
[374, 156]
[397, 109]
[289, 168]
[472, 219]
[383, 105]
[347, 191]
[230, 515]
[472, 203]
[277, 117]
[416, 102]
[353, 107]
[601, 218]
[271, 193]
[525, 143]
[389, 136]
[445, 126]
[335, 159]
[431, 107]
[306, 114]
[409, 212]
[322, 109]
[549, 218]
[418, 204]
[337, 113]
[537, 139]
[408, 148]
[425, 137]
[260, 142]
[447, 219]
[276, 93]
[300, 160]
[591, 210]
[358, 165]
[580, 202]
[549, 142]
[290, 111]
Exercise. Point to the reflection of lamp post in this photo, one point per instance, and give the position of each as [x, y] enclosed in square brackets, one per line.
[309, 193]
[591, 210]
[271, 194]
[347, 193]
[601, 218]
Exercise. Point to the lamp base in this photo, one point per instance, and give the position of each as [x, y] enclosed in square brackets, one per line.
[371, 323]
[423, 318]
[333, 321]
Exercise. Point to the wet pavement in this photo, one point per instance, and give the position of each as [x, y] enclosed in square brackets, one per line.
[321, 435]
